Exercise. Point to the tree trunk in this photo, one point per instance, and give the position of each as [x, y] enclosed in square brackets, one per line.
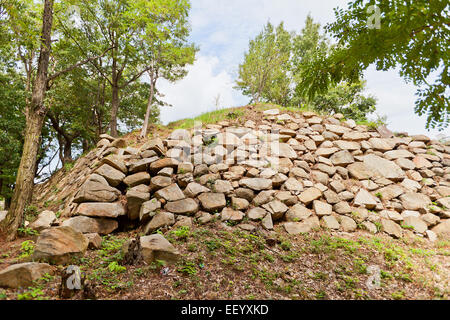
[35, 115]
[114, 111]
[149, 107]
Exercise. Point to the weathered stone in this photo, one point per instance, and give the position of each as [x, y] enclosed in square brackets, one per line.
[239, 203]
[156, 145]
[390, 192]
[91, 225]
[256, 184]
[212, 201]
[416, 223]
[137, 179]
[23, 275]
[360, 171]
[276, 208]
[384, 168]
[397, 154]
[322, 208]
[347, 223]
[222, 186]
[382, 144]
[330, 222]
[44, 220]
[112, 175]
[309, 195]
[295, 228]
[170, 193]
[364, 198]
[141, 165]
[442, 229]
[185, 206]
[102, 210]
[163, 163]
[391, 228]
[60, 245]
[156, 248]
[297, 213]
[95, 241]
[193, 189]
[96, 189]
[414, 201]
[342, 158]
[229, 214]
[160, 220]
[116, 162]
[135, 199]
[256, 213]
[342, 207]
[159, 182]
[149, 209]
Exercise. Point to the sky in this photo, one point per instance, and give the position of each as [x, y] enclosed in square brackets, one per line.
[222, 29]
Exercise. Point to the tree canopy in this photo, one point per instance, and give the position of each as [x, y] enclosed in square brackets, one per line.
[412, 36]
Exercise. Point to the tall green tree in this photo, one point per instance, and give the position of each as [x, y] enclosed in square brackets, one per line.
[262, 75]
[411, 35]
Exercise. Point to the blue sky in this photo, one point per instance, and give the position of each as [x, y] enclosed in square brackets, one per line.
[222, 30]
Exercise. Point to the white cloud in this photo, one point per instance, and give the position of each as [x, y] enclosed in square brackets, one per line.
[196, 93]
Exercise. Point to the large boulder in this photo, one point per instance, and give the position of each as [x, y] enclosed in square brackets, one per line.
[96, 189]
[60, 245]
[256, 184]
[137, 179]
[443, 229]
[184, 206]
[112, 175]
[101, 210]
[44, 220]
[91, 225]
[135, 199]
[155, 247]
[415, 201]
[212, 201]
[24, 274]
[384, 168]
[170, 193]
[160, 220]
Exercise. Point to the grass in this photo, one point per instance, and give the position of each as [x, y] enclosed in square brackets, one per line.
[208, 118]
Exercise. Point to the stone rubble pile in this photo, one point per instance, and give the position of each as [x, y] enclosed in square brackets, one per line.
[301, 171]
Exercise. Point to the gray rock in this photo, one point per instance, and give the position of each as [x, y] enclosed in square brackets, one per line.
[102, 210]
[330, 222]
[23, 275]
[160, 220]
[112, 175]
[212, 201]
[149, 209]
[170, 193]
[60, 245]
[256, 184]
[415, 201]
[156, 248]
[96, 189]
[91, 225]
[185, 206]
[391, 228]
[44, 220]
[137, 179]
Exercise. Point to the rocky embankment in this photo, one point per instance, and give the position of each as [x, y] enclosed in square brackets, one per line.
[299, 170]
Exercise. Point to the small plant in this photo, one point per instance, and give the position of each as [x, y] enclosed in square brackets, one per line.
[286, 245]
[114, 267]
[26, 249]
[27, 231]
[398, 295]
[182, 233]
[379, 195]
[68, 166]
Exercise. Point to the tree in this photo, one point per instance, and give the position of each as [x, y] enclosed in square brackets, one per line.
[413, 36]
[262, 75]
[34, 114]
[123, 25]
[280, 81]
[347, 99]
[164, 46]
[23, 35]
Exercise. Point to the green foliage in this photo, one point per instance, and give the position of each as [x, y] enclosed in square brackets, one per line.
[413, 36]
[26, 249]
[114, 267]
[271, 49]
[273, 71]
